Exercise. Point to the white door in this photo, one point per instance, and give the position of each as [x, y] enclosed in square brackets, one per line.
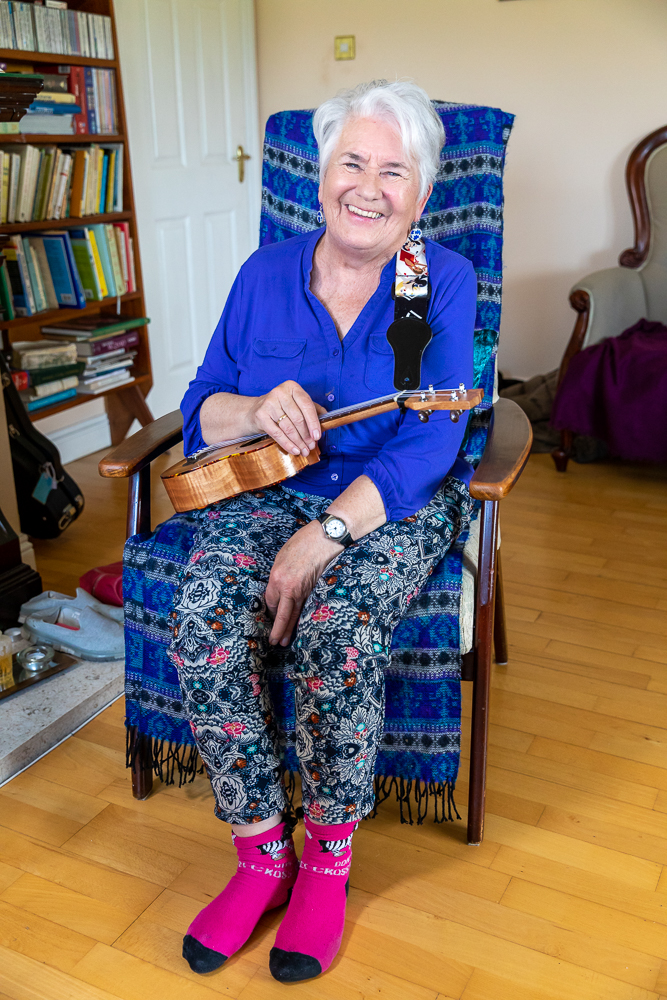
[190, 94]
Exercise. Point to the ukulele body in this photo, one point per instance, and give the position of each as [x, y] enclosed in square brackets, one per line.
[192, 485]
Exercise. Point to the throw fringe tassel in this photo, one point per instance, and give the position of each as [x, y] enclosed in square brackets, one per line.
[166, 757]
[413, 796]
[440, 793]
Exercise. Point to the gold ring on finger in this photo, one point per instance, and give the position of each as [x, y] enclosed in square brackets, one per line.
[281, 418]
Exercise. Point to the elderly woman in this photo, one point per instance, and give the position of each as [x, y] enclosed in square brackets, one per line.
[327, 562]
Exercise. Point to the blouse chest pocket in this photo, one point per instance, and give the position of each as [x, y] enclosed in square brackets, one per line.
[273, 362]
[379, 375]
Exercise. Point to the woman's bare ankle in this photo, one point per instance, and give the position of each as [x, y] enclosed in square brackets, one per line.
[252, 829]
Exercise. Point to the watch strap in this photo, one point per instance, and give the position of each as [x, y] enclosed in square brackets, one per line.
[345, 539]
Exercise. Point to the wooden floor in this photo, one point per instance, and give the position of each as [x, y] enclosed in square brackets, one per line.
[565, 900]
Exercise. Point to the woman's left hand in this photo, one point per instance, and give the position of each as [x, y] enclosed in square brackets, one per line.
[297, 568]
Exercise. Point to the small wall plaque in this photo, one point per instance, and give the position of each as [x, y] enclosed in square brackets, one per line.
[344, 47]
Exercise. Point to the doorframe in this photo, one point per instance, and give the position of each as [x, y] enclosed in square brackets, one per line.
[253, 125]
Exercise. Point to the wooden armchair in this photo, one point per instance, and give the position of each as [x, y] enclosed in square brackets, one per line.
[608, 302]
[507, 449]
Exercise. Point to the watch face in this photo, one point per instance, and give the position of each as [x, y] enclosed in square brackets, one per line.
[335, 528]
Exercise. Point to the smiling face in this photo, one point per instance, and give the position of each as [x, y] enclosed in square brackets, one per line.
[370, 191]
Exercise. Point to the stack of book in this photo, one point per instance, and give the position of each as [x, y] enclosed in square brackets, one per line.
[87, 105]
[45, 372]
[56, 182]
[65, 269]
[53, 28]
[104, 346]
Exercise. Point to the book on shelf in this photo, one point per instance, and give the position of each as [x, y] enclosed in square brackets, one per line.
[60, 258]
[22, 294]
[35, 28]
[87, 106]
[106, 363]
[50, 388]
[45, 372]
[91, 348]
[24, 379]
[60, 182]
[97, 386]
[44, 271]
[92, 328]
[29, 355]
[6, 297]
[106, 371]
[41, 402]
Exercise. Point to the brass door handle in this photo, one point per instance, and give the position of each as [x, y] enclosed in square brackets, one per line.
[240, 158]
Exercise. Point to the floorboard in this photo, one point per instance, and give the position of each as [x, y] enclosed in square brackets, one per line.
[567, 896]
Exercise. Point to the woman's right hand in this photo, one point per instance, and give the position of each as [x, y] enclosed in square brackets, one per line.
[289, 416]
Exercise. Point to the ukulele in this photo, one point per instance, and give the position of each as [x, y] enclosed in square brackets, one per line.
[228, 468]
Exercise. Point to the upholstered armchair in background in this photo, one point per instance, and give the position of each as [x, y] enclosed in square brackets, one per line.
[610, 301]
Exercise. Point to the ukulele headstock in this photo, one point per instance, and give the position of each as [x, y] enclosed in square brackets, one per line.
[424, 401]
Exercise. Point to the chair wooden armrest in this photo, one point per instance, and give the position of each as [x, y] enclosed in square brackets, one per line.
[506, 452]
[138, 451]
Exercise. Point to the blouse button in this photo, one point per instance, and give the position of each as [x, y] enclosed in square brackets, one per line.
[334, 476]
[336, 353]
[331, 397]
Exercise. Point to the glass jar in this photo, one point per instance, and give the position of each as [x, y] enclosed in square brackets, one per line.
[6, 665]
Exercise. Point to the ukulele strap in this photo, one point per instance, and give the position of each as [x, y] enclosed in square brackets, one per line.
[410, 334]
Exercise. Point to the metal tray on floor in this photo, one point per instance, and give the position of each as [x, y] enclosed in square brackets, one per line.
[21, 678]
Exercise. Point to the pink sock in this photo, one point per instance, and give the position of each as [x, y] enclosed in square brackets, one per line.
[266, 872]
[309, 937]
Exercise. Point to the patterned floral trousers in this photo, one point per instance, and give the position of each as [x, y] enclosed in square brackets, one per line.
[336, 660]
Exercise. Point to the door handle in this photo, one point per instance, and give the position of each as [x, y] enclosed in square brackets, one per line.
[240, 158]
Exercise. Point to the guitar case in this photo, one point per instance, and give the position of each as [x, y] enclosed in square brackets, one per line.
[48, 498]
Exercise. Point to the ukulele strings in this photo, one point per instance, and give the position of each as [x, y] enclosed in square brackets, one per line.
[343, 411]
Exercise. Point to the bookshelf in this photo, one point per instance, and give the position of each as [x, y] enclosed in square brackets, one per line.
[123, 403]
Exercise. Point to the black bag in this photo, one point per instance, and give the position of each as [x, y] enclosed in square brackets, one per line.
[48, 498]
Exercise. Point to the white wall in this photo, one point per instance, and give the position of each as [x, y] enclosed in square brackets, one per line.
[585, 78]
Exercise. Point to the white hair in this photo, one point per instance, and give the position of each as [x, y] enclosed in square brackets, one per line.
[403, 104]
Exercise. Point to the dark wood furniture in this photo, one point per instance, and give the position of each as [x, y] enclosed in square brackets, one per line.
[124, 403]
[506, 453]
[633, 257]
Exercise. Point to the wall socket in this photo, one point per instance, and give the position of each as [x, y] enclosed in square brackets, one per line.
[344, 47]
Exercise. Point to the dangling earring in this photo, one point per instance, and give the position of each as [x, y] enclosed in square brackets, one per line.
[320, 216]
[415, 232]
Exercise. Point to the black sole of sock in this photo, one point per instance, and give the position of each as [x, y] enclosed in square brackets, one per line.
[292, 966]
[200, 958]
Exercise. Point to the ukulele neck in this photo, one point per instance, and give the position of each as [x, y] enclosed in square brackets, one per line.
[358, 411]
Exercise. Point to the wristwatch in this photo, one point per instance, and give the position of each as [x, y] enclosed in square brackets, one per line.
[335, 528]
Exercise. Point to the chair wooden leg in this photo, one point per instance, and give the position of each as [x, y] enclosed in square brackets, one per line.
[139, 502]
[482, 683]
[142, 766]
[499, 623]
[561, 455]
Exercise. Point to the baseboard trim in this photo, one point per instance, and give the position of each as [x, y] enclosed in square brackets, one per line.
[27, 551]
[81, 439]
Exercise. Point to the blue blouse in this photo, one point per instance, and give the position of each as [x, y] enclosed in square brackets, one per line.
[273, 328]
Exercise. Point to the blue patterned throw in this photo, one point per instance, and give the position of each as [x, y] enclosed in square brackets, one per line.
[419, 756]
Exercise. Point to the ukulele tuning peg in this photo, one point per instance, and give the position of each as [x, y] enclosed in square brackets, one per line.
[424, 415]
[454, 416]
